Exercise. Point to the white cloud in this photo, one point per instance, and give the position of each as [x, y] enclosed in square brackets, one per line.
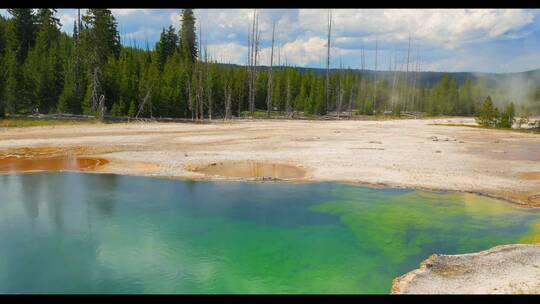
[142, 34]
[304, 51]
[228, 52]
[67, 21]
[449, 28]
[128, 11]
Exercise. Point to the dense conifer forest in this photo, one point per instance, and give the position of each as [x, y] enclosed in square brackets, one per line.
[43, 70]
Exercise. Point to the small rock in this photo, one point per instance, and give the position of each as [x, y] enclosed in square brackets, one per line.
[438, 151]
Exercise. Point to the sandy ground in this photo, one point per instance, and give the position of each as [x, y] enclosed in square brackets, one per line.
[505, 269]
[401, 153]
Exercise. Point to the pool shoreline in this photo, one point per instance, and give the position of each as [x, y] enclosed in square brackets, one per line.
[498, 270]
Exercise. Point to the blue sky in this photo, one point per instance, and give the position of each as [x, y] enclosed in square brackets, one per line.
[443, 40]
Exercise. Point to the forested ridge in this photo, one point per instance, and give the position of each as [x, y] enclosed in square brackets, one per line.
[91, 72]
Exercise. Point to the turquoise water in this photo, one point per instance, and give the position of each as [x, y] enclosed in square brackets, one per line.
[88, 233]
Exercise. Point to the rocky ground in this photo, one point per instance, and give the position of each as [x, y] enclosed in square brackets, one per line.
[505, 269]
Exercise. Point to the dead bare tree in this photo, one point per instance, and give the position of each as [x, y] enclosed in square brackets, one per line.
[241, 92]
[95, 88]
[200, 92]
[190, 99]
[328, 60]
[288, 95]
[227, 96]
[253, 42]
[351, 99]
[415, 76]
[208, 81]
[146, 100]
[362, 80]
[375, 75]
[393, 98]
[339, 95]
[279, 56]
[407, 82]
[78, 58]
[271, 74]
[257, 49]
[200, 95]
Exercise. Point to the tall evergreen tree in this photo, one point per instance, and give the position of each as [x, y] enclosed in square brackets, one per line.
[3, 68]
[102, 35]
[166, 46]
[23, 30]
[188, 37]
[102, 41]
[43, 66]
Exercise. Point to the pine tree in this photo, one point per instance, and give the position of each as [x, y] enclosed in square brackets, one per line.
[3, 68]
[188, 37]
[102, 36]
[68, 101]
[23, 30]
[466, 101]
[166, 46]
[14, 92]
[101, 40]
[43, 65]
[488, 114]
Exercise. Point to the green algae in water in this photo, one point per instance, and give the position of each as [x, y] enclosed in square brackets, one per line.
[85, 233]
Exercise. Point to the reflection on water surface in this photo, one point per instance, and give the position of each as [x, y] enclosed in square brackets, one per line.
[89, 233]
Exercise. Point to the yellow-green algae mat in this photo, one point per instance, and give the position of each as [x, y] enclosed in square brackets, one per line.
[90, 233]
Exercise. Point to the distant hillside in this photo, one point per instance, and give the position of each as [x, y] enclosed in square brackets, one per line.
[430, 78]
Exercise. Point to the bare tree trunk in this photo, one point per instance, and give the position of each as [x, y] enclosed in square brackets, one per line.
[95, 88]
[253, 48]
[190, 99]
[288, 95]
[78, 59]
[256, 56]
[351, 99]
[249, 63]
[227, 95]
[145, 100]
[102, 108]
[208, 80]
[415, 77]
[200, 96]
[328, 60]
[375, 76]
[241, 98]
[362, 80]
[339, 97]
[270, 76]
[394, 81]
[407, 82]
